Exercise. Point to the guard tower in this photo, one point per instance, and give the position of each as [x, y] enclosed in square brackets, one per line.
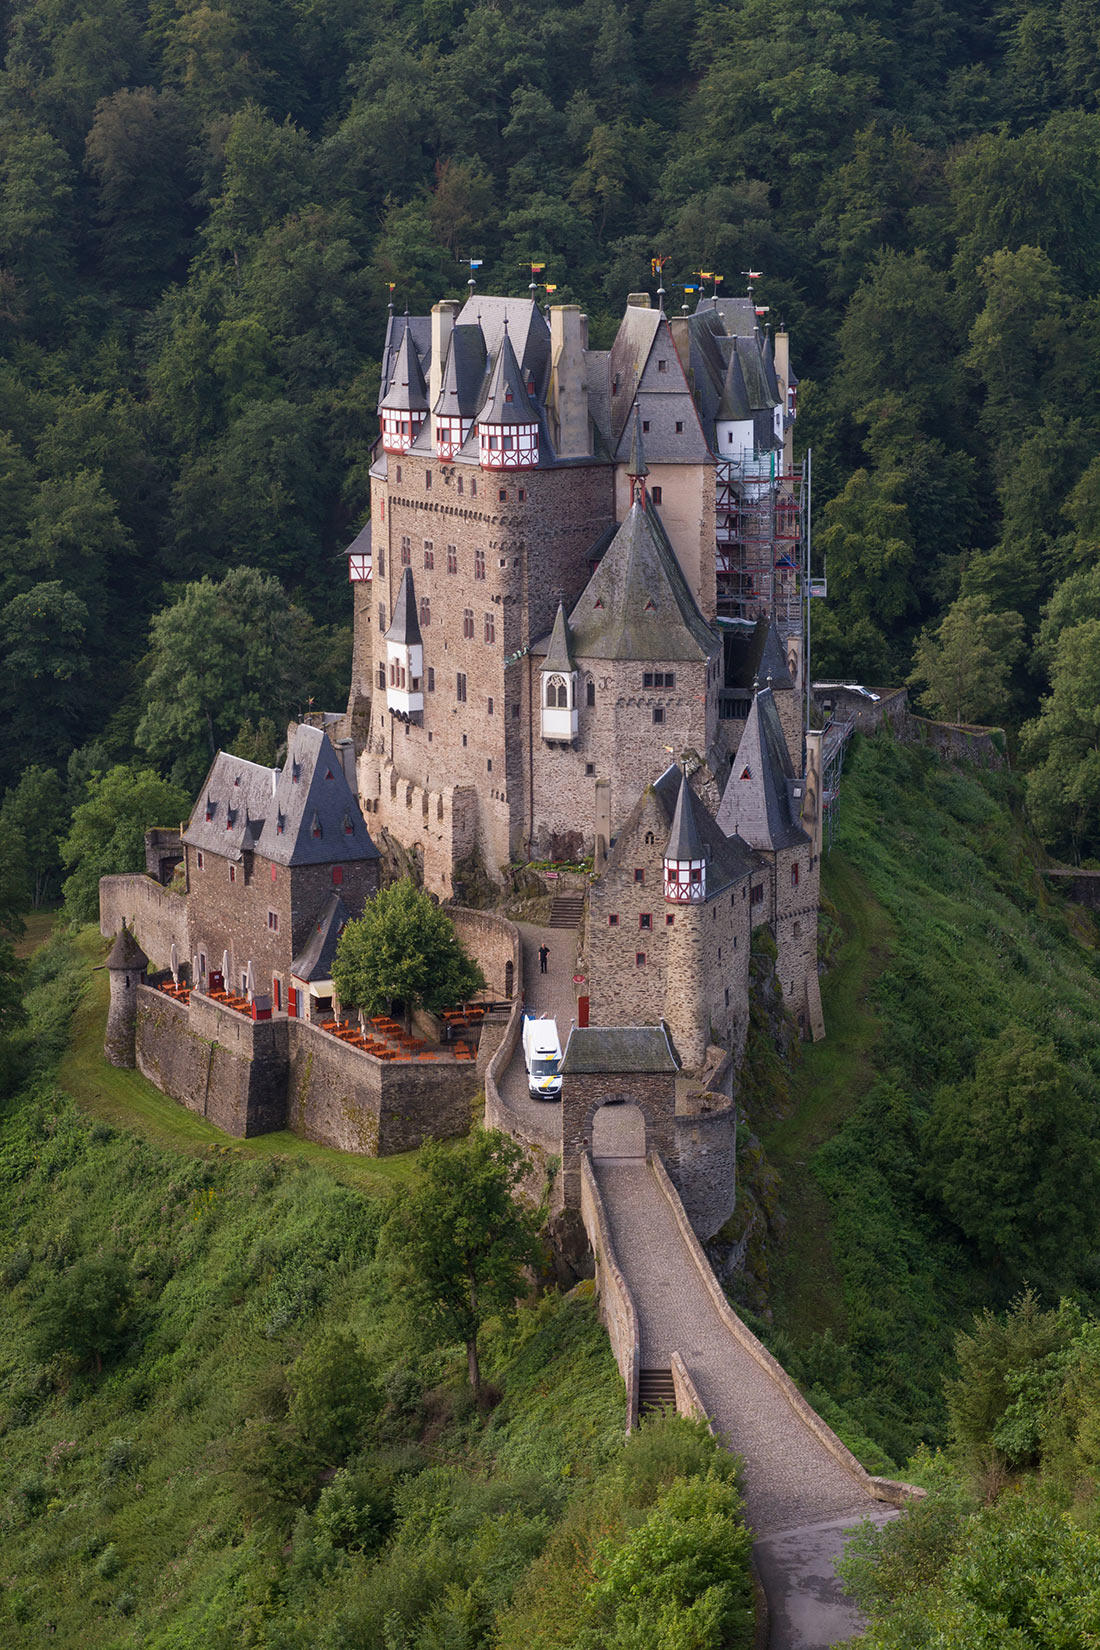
[126, 966]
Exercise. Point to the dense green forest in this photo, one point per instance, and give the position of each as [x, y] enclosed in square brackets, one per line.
[201, 207]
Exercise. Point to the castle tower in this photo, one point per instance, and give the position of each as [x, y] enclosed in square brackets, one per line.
[126, 967]
[558, 694]
[508, 424]
[685, 887]
[404, 407]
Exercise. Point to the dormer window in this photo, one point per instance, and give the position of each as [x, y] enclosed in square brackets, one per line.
[349, 825]
[211, 807]
[315, 826]
[295, 772]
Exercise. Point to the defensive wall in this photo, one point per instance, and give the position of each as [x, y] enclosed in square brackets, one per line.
[617, 1310]
[1083, 887]
[155, 916]
[951, 741]
[249, 1077]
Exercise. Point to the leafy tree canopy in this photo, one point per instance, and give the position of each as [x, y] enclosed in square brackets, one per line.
[403, 949]
[107, 835]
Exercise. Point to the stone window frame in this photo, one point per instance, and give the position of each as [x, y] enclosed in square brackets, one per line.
[460, 687]
[429, 555]
[452, 558]
[490, 705]
[658, 715]
[613, 919]
[431, 678]
[590, 694]
[425, 612]
[490, 627]
[590, 770]
[232, 872]
[757, 895]
[479, 564]
[273, 921]
[639, 873]
[406, 550]
[657, 495]
[639, 959]
[645, 921]
[200, 863]
[794, 874]
[670, 918]
[468, 623]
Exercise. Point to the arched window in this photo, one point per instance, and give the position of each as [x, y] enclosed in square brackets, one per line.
[563, 697]
[556, 693]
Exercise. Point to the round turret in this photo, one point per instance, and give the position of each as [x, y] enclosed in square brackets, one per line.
[126, 967]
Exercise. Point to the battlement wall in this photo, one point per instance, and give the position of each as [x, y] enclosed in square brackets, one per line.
[155, 916]
[441, 826]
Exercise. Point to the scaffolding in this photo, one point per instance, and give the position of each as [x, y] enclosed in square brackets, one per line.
[834, 743]
[761, 548]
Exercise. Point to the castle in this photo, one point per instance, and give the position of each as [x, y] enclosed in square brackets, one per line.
[578, 633]
[583, 575]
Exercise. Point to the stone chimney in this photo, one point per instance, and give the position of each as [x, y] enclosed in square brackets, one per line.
[567, 397]
[681, 337]
[443, 320]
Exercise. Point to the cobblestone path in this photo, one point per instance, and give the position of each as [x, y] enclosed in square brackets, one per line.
[551, 995]
[799, 1499]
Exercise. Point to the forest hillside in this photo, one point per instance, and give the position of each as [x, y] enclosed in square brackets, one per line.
[202, 208]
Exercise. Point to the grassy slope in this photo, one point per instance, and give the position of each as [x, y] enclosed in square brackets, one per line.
[950, 935]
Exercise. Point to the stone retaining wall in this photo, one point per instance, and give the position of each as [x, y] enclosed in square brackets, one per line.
[688, 1401]
[1083, 887]
[617, 1310]
[981, 747]
[342, 1097]
[154, 915]
[218, 1064]
[706, 1168]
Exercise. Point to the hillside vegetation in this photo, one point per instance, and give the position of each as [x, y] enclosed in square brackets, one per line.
[225, 1424]
[949, 1122]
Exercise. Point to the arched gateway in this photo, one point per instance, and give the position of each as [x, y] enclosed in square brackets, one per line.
[618, 1098]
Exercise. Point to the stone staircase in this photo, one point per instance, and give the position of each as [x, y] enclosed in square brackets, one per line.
[567, 911]
[655, 1392]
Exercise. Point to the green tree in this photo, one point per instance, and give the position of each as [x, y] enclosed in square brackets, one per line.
[107, 835]
[221, 654]
[333, 1395]
[1009, 1369]
[87, 1311]
[1062, 744]
[403, 949]
[37, 809]
[464, 1239]
[44, 671]
[1012, 1157]
[966, 661]
[140, 152]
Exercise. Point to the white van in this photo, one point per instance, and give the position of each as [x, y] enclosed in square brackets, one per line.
[542, 1057]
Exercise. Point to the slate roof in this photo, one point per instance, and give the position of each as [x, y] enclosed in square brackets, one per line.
[756, 654]
[685, 839]
[126, 952]
[728, 860]
[626, 362]
[759, 804]
[732, 368]
[662, 394]
[314, 961]
[637, 604]
[405, 623]
[506, 399]
[558, 655]
[527, 329]
[408, 390]
[362, 543]
[277, 812]
[637, 465]
[626, 1049]
[463, 373]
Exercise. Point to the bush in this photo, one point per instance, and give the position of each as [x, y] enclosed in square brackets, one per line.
[87, 1312]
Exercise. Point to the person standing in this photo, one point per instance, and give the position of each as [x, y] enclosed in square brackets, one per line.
[544, 958]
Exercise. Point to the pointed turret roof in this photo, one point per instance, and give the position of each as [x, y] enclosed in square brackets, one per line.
[637, 604]
[507, 401]
[408, 391]
[463, 372]
[684, 840]
[735, 396]
[637, 465]
[126, 953]
[405, 624]
[558, 655]
[759, 804]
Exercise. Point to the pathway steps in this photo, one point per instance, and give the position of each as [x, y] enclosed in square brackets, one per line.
[793, 1485]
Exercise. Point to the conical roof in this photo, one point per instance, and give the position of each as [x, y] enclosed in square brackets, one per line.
[408, 391]
[684, 840]
[734, 406]
[507, 401]
[637, 604]
[405, 624]
[558, 656]
[757, 804]
[126, 952]
[463, 372]
[637, 465]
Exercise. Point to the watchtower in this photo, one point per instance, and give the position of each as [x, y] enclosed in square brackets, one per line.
[126, 967]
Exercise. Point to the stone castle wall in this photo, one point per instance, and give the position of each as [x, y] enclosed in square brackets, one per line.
[342, 1097]
[216, 1063]
[154, 915]
[618, 1313]
[705, 1173]
[440, 825]
[582, 1094]
[618, 740]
